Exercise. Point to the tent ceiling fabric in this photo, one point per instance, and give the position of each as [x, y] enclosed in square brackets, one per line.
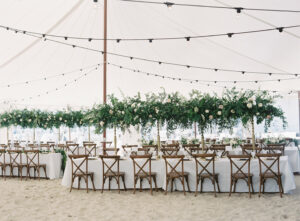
[267, 52]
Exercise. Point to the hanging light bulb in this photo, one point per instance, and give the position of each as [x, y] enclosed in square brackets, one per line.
[169, 4]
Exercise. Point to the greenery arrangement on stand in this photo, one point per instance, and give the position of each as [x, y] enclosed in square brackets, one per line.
[156, 110]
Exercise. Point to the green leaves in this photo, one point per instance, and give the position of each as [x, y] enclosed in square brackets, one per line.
[171, 110]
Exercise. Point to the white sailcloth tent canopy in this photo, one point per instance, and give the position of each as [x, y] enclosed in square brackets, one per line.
[71, 76]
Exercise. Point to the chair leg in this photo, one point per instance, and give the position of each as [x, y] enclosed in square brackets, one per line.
[234, 185]
[154, 179]
[103, 180]
[79, 181]
[141, 184]
[248, 182]
[109, 178]
[123, 179]
[264, 186]
[167, 182]
[217, 180]
[92, 179]
[72, 181]
[45, 169]
[134, 184]
[201, 184]
[150, 181]
[214, 183]
[182, 180]
[187, 183]
[259, 187]
[197, 183]
[86, 178]
[172, 184]
[230, 187]
[252, 185]
[280, 186]
[118, 181]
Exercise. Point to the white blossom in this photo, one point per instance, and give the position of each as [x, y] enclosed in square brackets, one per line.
[111, 112]
[211, 117]
[219, 113]
[249, 105]
[232, 111]
[101, 123]
[29, 120]
[257, 113]
[168, 100]
[207, 111]
[260, 105]
[221, 106]
[60, 118]
[196, 109]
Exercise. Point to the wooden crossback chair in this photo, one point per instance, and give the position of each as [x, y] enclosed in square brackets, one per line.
[109, 163]
[172, 173]
[261, 143]
[267, 170]
[50, 142]
[170, 149]
[219, 148]
[151, 148]
[80, 170]
[3, 164]
[238, 172]
[248, 149]
[69, 142]
[197, 150]
[205, 173]
[62, 147]
[288, 141]
[45, 146]
[33, 146]
[110, 151]
[106, 144]
[140, 163]
[126, 147]
[15, 161]
[90, 149]
[188, 147]
[275, 148]
[33, 162]
[3, 146]
[73, 148]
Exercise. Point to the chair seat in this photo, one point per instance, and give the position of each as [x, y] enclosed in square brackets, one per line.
[207, 175]
[144, 175]
[114, 173]
[18, 165]
[179, 174]
[84, 174]
[241, 175]
[270, 175]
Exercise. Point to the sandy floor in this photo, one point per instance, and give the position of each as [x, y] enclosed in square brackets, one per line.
[48, 200]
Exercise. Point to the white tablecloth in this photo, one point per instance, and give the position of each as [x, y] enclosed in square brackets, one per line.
[52, 161]
[158, 166]
[294, 157]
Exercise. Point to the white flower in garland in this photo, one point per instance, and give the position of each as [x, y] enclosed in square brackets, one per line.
[4, 119]
[268, 116]
[168, 100]
[101, 123]
[260, 105]
[232, 111]
[257, 113]
[66, 121]
[135, 110]
[196, 109]
[249, 105]
[19, 115]
[156, 110]
[219, 113]
[60, 118]
[133, 105]
[123, 112]
[29, 120]
[21, 120]
[45, 126]
[211, 117]
[111, 112]
[150, 116]
[207, 111]
[203, 118]
[91, 121]
[221, 106]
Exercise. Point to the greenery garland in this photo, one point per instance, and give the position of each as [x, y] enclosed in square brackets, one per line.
[172, 110]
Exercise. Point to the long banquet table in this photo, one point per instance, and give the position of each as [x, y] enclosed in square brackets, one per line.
[52, 161]
[222, 166]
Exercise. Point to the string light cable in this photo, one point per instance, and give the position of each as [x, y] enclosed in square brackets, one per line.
[75, 80]
[150, 39]
[237, 9]
[215, 69]
[8, 85]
